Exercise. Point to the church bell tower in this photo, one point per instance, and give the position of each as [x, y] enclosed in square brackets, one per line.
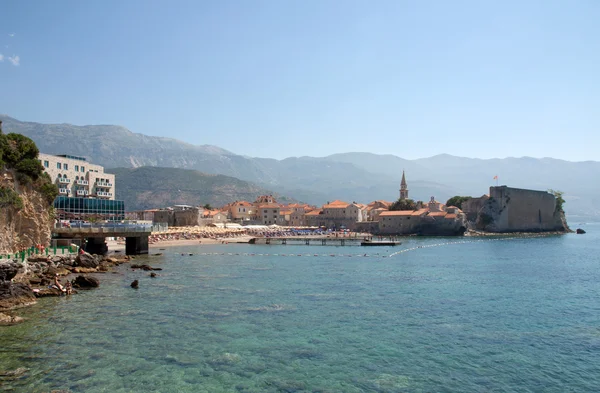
[403, 188]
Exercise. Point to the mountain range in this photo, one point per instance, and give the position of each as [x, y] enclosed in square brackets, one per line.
[360, 177]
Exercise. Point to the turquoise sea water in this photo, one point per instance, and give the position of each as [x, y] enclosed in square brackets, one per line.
[518, 315]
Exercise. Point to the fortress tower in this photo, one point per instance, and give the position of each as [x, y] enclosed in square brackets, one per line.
[403, 188]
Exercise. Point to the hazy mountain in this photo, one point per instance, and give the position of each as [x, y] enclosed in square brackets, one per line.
[155, 187]
[360, 177]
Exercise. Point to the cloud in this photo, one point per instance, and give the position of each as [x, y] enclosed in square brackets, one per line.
[11, 34]
[1, 57]
[15, 60]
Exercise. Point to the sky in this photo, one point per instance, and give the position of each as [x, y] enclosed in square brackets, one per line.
[484, 79]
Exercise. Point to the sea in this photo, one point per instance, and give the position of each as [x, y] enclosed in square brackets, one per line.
[434, 314]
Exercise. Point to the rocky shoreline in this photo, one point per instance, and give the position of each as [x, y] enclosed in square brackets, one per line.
[22, 283]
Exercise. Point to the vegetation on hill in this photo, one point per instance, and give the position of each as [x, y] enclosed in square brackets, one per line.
[457, 201]
[18, 154]
[560, 201]
[154, 187]
[404, 204]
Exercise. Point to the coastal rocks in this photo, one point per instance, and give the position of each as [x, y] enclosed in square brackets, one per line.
[86, 260]
[47, 292]
[84, 270]
[135, 284]
[580, 231]
[85, 282]
[145, 267]
[14, 295]
[8, 271]
[60, 271]
[7, 320]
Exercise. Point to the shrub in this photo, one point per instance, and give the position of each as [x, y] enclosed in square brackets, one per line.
[49, 191]
[9, 197]
[404, 204]
[457, 201]
[30, 167]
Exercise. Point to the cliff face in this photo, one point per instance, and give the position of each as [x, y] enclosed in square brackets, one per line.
[27, 226]
[518, 210]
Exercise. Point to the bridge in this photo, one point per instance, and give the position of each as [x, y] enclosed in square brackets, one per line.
[135, 234]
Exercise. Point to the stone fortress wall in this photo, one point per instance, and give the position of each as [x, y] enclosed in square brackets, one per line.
[519, 210]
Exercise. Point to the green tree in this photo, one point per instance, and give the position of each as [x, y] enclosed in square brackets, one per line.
[457, 201]
[404, 204]
[207, 206]
[30, 167]
[560, 201]
[19, 148]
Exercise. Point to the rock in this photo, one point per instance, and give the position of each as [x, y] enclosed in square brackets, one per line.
[145, 267]
[157, 254]
[6, 319]
[85, 282]
[53, 271]
[580, 231]
[19, 372]
[86, 260]
[153, 275]
[84, 270]
[135, 284]
[8, 271]
[48, 292]
[38, 258]
[13, 295]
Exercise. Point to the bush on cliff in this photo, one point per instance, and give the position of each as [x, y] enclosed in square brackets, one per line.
[10, 198]
[19, 153]
[457, 201]
[559, 200]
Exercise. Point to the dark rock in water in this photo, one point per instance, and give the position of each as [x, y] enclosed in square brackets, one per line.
[7, 320]
[85, 282]
[145, 267]
[8, 271]
[580, 231]
[135, 284]
[86, 260]
[152, 275]
[17, 373]
[157, 254]
[46, 292]
[13, 295]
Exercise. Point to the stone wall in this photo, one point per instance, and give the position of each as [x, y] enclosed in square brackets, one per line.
[472, 207]
[519, 210]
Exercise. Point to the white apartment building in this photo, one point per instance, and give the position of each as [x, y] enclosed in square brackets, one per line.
[75, 177]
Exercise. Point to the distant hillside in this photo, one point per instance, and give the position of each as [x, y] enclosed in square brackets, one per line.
[360, 177]
[155, 187]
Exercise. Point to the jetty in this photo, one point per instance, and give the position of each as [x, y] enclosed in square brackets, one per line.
[323, 241]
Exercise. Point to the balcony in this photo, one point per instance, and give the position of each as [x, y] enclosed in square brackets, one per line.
[104, 194]
[64, 180]
[82, 182]
[82, 192]
[103, 184]
[63, 191]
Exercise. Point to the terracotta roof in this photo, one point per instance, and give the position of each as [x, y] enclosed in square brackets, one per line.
[285, 211]
[437, 214]
[419, 212]
[337, 204]
[241, 203]
[451, 215]
[315, 212]
[397, 213]
[269, 206]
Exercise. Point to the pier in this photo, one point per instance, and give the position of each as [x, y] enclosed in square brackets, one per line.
[321, 241]
[136, 235]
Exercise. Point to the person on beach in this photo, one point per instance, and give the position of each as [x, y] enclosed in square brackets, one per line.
[58, 285]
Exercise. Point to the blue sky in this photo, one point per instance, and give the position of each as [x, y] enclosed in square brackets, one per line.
[291, 78]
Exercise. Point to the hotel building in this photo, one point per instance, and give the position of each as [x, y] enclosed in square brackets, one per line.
[75, 177]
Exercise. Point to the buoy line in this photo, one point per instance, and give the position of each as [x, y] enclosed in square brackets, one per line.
[249, 254]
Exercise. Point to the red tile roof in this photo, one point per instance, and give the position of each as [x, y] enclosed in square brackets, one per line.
[406, 213]
[337, 204]
[315, 212]
[437, 214]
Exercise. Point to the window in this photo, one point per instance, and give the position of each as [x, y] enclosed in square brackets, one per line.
[265, 212]
[265, 217]
[66, 166]
[46, 164]
[82, 169]
[58, 166]
[76, 168]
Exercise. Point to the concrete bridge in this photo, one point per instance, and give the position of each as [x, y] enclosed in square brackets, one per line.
[135, 234]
